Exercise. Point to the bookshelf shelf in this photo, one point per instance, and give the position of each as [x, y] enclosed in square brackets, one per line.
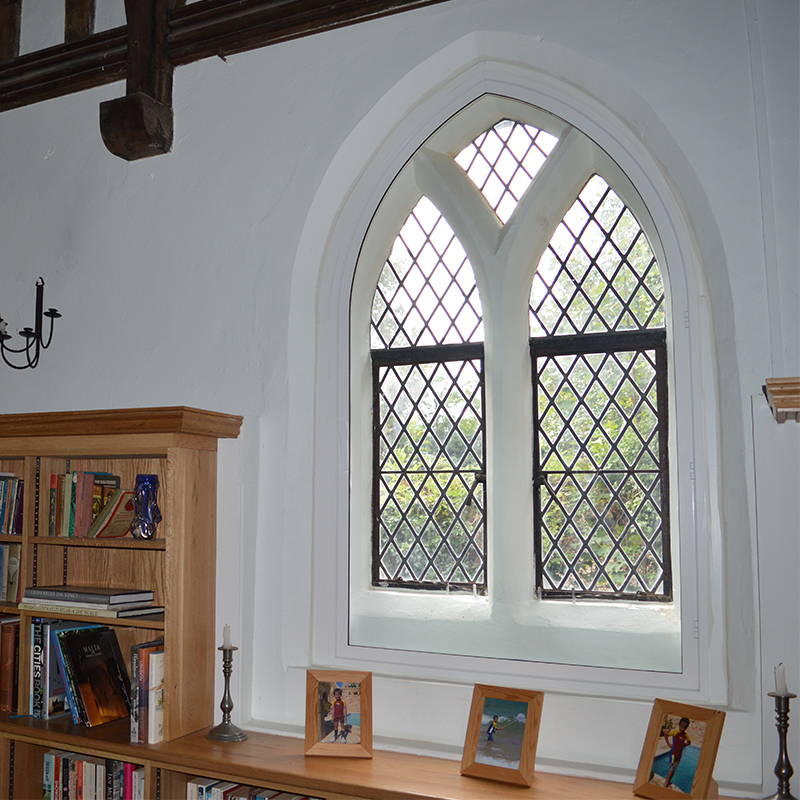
[153, 622]
[178, 444]
[104, 544]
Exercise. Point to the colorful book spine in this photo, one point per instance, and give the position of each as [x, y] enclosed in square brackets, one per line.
[37, 669]
[72, 696]
[13, 587]
[135, 693]
[57, 794]
[73, 487]
[13, 501]
[127, 780]
[155, 702]
[3, 496]
[52, 517]
[48, 775]
[16, 527]
[63, 506]
[4, 582]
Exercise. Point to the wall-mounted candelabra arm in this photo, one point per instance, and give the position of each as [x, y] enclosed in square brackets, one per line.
[34, 339]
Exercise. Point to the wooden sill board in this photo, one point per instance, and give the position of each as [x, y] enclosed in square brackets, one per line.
[279, 762]
[267, 760]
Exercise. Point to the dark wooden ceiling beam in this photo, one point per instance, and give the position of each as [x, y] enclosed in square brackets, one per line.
[10, 23]
[63, 69]
[78, 19]
[195, 31]
[224, 27]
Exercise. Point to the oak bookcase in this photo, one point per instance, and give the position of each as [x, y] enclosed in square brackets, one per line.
[179, 445]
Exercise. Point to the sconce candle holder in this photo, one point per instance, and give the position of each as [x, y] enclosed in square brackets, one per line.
[34, 339]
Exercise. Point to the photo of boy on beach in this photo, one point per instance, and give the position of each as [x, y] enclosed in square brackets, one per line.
[503, 726]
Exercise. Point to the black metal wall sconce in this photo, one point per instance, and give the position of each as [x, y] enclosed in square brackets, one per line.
[34, 340]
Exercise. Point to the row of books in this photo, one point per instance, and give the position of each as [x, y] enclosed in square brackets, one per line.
[78, 500]
[83, 671]
[68, 776]
[79, 670]
[11, 495]
[89, 601]
[200, 788]
[147, 692]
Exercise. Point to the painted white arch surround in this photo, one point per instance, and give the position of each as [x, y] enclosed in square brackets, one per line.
[594, 101]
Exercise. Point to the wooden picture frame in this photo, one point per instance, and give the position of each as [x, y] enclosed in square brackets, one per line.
[512, 756]
[691, 776]
[333, 730]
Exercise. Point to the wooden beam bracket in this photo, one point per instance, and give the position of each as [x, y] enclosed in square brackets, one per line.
[140, 124]
[136, 126]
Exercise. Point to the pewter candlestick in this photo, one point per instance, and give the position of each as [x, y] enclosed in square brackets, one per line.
[783, 769]
[226, 731]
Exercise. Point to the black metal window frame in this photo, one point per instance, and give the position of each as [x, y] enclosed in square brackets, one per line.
[605, 343]
[433, 354]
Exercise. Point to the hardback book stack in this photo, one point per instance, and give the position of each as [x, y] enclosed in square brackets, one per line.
[90, 601]
[69, 775]
[89, 505]
[11, 496]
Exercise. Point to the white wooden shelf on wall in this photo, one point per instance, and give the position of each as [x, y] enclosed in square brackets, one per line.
[783, 396]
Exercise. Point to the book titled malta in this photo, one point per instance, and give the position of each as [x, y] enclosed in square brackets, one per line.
[98, 595]
[100, 675]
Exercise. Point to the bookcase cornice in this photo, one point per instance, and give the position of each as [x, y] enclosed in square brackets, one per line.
[172, 419]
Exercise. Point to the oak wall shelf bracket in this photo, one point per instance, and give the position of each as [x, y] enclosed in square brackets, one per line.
[783, 396]
[159, 36]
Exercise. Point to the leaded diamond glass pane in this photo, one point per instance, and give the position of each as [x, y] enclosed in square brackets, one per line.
[503, 161]
[601, 526]
[430, 529]
[426, 293]
[598, 274]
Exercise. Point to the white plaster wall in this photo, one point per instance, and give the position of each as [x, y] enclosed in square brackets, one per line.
[777, 457]
[179, 281]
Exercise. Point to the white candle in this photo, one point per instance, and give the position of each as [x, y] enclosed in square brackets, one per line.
[780, 681]
[226, 637]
